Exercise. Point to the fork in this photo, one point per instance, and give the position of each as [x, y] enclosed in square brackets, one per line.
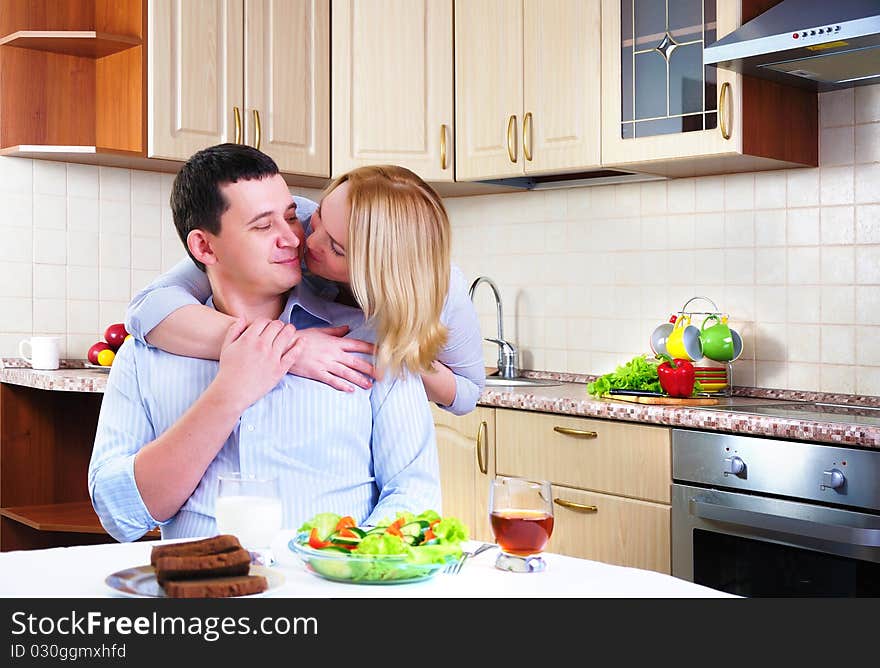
[455, 567]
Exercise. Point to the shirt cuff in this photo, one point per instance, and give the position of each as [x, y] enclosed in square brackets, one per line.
[119, 505]
[466, 396]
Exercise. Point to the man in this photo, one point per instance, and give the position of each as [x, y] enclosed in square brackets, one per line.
[169, 425]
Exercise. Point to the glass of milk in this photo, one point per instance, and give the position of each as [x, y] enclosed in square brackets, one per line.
[249, 507]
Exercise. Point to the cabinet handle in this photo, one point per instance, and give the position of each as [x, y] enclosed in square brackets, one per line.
[580, 507]
[481, 444]
[237, 115]
[527, 136]
[443, 146]
[580, 433]
[511, 138]
[722, 109]
[258, 133]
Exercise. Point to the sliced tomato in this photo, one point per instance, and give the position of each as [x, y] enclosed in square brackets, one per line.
[394, 530]
[345, 522]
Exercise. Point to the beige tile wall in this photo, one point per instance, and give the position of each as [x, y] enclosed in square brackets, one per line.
[793, 256]
[76, 242]
[586, 273]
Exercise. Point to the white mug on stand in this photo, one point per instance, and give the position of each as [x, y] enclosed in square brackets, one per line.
[44, 351]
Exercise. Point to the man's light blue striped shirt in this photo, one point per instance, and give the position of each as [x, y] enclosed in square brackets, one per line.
[369, 453]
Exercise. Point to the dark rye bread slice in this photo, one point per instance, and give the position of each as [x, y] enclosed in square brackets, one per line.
[241, 585]
[194, 548]
[236, 562]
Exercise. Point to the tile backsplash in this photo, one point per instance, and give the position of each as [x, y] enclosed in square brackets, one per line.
[76, 242]
[792, 255]
[585, 273]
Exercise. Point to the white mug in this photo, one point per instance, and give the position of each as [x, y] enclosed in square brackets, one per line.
[44, 351]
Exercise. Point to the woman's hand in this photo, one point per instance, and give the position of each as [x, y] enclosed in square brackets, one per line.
[322, 354]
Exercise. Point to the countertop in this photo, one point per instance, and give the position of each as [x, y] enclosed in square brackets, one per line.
[570, 397]
[68, 572]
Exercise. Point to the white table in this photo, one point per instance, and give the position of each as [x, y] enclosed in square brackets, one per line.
[72, 572]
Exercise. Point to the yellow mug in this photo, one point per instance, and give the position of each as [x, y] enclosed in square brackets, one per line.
[684, 340]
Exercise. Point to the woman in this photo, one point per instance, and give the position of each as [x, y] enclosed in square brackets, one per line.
[379, 240]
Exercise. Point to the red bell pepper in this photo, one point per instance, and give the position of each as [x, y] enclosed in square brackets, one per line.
[676, 376]
[315, 540]
[343, 526]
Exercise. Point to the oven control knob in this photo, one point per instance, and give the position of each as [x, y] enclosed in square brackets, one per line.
[833, 479]
[734, 465]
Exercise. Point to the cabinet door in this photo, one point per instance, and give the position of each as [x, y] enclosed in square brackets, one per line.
[466, 446]
[488, 89]
[611, 529]
[392, 97]
[561, 97]
[287, 74]
[659, 101]
[195, 75]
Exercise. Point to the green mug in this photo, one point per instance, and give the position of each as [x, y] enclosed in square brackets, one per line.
[717, 340]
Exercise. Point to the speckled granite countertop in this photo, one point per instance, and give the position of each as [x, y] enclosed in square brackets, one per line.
[570, 398]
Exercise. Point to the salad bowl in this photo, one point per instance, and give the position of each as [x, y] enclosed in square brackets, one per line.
[363, 568]
[410, 548]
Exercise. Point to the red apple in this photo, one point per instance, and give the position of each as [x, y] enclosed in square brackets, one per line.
[95, 349]
[115, 335]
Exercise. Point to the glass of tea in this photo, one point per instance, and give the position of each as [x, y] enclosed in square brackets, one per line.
[521, 515]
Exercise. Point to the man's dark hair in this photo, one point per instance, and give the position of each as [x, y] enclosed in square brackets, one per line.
[196, 200]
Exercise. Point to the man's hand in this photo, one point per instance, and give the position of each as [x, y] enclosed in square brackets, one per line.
[255, 357]
[322, 354]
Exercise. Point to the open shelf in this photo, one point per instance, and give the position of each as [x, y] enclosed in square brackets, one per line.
[74, 517]
[82, 43]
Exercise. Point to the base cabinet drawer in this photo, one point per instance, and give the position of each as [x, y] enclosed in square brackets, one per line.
[599, 455]
[611, 529]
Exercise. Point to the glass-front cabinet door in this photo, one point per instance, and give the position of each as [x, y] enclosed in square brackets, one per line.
[660, 102]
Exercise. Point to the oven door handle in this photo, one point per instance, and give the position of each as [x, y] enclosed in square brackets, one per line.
[869, 537]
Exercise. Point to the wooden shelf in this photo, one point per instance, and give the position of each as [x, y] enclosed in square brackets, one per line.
[75, 517]
[82, 43]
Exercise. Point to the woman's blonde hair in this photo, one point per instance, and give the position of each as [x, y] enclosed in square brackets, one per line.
[398, 258]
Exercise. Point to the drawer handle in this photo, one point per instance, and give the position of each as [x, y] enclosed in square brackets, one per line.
[580, 507]
[580, 433]
[482, 443]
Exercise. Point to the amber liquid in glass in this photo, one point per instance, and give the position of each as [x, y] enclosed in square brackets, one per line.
[521, 532]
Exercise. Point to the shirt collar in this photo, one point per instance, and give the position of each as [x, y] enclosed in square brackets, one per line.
[302, 295]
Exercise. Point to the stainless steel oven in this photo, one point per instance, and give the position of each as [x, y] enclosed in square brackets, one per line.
[768, 517]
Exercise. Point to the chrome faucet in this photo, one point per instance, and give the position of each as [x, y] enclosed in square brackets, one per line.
[508, 357]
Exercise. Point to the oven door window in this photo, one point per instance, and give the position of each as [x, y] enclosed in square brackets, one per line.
[756, 568]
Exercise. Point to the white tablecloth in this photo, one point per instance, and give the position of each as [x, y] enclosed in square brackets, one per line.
[72, 572]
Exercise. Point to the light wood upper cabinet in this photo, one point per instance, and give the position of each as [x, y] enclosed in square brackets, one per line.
[254, 71]
[664, 112]
[392, 86]
[561, 71]
[466, 447]
[195, 74]
[287, 82]
[527, 87]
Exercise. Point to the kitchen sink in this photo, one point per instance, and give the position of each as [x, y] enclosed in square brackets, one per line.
[519, 381]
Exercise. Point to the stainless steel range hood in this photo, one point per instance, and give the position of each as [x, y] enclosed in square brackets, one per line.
[816, 44]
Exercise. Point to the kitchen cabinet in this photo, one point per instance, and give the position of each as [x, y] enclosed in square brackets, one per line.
[611, 483]
[46, 442]
[527, 87]
[466, 448]
[252, 71]
[392, 95]
[664, 112]
[70, 78]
